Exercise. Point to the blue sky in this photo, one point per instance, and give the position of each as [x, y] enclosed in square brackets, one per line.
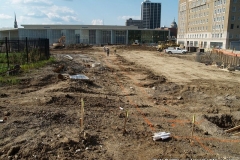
[86, 12]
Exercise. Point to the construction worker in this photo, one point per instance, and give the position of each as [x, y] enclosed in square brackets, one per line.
[107, 51]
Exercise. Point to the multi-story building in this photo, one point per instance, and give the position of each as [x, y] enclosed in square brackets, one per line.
[131, 22]
[173, 31]
[151, 14]
[208, 23]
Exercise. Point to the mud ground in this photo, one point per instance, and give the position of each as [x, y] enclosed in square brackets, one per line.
[159, 93]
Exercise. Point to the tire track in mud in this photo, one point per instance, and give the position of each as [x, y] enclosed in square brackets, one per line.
[150, 124]
[197, 139]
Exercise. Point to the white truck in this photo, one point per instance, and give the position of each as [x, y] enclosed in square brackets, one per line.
[175, 50]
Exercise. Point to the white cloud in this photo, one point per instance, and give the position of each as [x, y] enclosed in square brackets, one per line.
[61, 9]
[23, 19]
[97, 22]
[36, 2]
[127, 17]
[4, 16]
[42, 11]
[59, 14]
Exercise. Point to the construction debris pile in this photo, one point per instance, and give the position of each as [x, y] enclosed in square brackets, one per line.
[79, 46]
[222, 59]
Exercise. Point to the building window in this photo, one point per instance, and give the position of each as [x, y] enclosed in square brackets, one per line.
[237, 26]
[235, 1]
[233, 18]
[232, 26]
[234, 9]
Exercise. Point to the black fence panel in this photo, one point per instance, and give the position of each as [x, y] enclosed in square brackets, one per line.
[22, 51]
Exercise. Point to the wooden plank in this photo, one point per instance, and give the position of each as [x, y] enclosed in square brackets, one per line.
[232, 129]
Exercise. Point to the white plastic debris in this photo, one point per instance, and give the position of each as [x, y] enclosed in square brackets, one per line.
[79, 76]
[161, 136]
[1, 121]
[78, 150]
[68, 57]
[96, 65]
[120, 108]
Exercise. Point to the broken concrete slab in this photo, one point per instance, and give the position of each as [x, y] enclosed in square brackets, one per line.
[79, 76]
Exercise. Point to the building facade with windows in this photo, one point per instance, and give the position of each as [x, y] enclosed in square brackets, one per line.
[87, 34]
[208, 23]
[132, 22]
[151, 14]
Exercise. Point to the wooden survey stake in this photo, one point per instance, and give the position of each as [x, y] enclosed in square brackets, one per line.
[82, 116]
[193, 123]
[125, 122]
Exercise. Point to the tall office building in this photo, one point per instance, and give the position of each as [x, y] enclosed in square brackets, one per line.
[151, 14]
[208, 23]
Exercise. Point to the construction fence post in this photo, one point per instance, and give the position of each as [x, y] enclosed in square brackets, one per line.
[27, 48]
[6, 42]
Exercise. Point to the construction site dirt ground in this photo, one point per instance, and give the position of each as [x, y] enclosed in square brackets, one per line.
[158, 92]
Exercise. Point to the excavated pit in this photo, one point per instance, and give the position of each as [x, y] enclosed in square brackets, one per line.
[223, 121]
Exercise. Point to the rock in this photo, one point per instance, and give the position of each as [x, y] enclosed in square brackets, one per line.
[155, 102]
[59, 136]
[3, 156]
[6, 113]
[3, 95]
[13, 150]
[179, 98]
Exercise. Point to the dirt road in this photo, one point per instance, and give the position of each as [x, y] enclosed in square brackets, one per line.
[158, 92]
[179, 70]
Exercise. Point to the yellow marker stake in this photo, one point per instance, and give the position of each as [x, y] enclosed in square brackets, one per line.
[82, 103]
[193, 122]
[124, 130]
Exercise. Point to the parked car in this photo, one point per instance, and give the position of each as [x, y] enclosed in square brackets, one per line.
[175, 50]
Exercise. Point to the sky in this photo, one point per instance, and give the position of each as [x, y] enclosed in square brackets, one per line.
[83, 12]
